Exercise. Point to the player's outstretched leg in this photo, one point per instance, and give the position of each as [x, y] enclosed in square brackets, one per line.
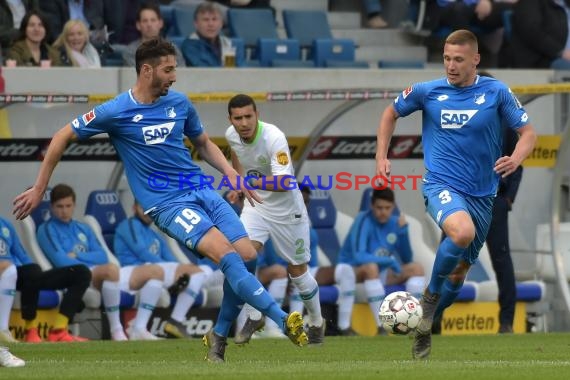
[422, 339]
[216, 347]
[293, 327]
[249, 328]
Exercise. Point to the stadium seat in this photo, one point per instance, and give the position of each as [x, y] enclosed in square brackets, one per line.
[251, 25]
[167, 13]
[239, 45]
[271, 49]
[323, 215]
[412, 64]
[183, 20]
[306, 26]
[335, 53]
[177, 40]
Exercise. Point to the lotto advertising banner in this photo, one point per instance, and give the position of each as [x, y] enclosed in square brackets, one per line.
[198, 321]
[44, 322]
[476, 318]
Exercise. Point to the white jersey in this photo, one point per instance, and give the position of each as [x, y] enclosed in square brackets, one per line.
[268, 155]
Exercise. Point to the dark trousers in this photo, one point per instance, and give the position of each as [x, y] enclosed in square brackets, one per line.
[458, 15]
[500, 252]
[74, 279]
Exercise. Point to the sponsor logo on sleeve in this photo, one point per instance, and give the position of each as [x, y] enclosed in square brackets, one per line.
[282, 158]
[407, 92]
[88, 117]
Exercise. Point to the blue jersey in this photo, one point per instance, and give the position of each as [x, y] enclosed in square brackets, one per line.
[369, 238]
[462, 131]
[136, 243]
[10, 246]
[269, 257]
[149, 140]
[57, 239]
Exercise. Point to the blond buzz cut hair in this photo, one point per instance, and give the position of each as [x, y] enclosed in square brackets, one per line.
[463, 37]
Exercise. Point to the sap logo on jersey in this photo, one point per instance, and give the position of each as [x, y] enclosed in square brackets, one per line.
[456, 118]
[156, 134]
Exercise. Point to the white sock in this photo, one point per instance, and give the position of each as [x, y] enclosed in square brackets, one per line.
[186, 299]
[111, 295]
[309, 291]
[416, 285]
[277, 289]
[295, 301]
[149, 295]
[247, 311]
[8, 280]
[345, 278]
[375, 293]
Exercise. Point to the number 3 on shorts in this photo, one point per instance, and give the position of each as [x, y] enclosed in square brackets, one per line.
[188, 219]
[445, 197]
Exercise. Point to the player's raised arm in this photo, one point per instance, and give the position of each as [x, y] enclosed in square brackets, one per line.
[27, 201]
[383, 136]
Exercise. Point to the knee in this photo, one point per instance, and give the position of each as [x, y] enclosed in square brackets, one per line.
[463, 237]
[248, 254]
[155, 272]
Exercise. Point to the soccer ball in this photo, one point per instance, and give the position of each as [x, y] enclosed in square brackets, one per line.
[400, 313]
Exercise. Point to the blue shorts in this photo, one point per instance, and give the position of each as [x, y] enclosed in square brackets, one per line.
[188, 218]
[442, 201]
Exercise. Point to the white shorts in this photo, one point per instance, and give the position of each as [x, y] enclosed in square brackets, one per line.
[125, 274]
[291, 241]
[169, 268]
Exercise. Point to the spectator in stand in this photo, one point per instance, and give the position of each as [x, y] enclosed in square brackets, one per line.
[149, 24]
[541, 37]
[374, 20]
[58, 12]
[75, 48]
[11, 14]
[207, 46]
[483, 17]
[31, 49]
[121, 18]
[18, 272]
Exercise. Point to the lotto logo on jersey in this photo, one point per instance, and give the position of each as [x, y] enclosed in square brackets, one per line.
[88, 117]
[156, 134]
[455, 119]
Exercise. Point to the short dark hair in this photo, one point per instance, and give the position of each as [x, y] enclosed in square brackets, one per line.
[61, 191]
[149, 6]
[463, 37]
[151, 51]
[385, 194]
[207, 7]
[240, 101]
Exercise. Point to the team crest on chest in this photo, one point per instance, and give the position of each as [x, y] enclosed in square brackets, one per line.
[282, 158]
[479, 99]
[170, 112]
[5, 232]
[262, 160]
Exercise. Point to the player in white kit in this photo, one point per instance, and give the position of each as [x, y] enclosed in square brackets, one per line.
[260, 153]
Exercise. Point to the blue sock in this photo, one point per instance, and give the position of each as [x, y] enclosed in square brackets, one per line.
[446, 259]
[229, 310]
[449, 292]
[249, 288]
[231, 305]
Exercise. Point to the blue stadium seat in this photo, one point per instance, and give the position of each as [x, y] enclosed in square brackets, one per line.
[306, 26]
[239, 45]
[412, 64]
[251, 25]
[184, 20]
[323, 215]
[167, 14]
[104, 207]
[271, 49]
[330, 52]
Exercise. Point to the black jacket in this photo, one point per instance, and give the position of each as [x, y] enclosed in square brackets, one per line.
[540, 29]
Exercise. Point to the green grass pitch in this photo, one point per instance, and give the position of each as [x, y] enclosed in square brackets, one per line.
[529, 356]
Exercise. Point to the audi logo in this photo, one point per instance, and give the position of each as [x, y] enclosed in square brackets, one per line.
[105, 199]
